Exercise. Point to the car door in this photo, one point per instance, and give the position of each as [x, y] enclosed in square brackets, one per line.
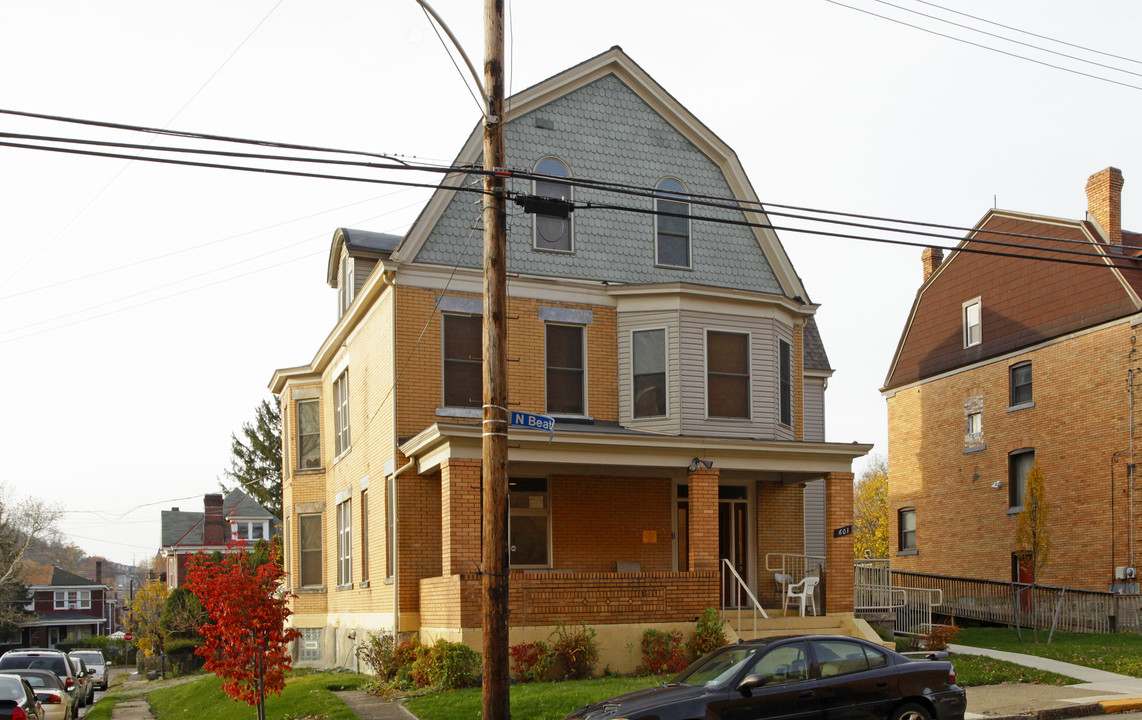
[786, 693]
[856, 680]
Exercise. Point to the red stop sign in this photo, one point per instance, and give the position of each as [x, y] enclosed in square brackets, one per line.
[129, 637]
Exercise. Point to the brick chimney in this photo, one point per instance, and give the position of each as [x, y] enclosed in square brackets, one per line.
[98, 572]
[1104, 202]
[931, 257]
[213, 526]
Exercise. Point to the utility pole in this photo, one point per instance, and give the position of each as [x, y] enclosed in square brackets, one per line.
[495, 427]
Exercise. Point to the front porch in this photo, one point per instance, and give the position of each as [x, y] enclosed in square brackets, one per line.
[626, 531]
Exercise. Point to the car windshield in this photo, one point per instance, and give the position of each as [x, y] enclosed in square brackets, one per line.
[717, 667]
[10, 689]
[36, 680]
[34, 662]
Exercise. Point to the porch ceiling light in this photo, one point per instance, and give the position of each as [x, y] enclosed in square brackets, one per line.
[698, 462]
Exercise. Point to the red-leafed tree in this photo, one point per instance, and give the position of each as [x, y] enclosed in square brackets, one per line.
[245, 640]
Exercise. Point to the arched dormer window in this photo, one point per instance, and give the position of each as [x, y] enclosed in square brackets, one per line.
[672, 233]
[552, 232]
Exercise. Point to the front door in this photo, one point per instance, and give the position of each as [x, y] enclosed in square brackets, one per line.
[733, 527]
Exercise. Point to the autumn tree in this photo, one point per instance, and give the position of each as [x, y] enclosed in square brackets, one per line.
[1032, 530]
[183, 614]
[23, 521]
[246, 641]
[870, 510]
[145, 618]
[256, 460]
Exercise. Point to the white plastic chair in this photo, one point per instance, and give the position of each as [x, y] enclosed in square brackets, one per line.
[802, 591]
[783, 582]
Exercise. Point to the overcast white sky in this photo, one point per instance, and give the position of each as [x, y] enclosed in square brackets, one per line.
[143, 308]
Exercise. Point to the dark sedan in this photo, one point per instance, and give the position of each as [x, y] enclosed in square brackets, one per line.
[797, 678]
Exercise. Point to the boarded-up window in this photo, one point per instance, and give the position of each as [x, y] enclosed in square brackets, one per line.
[463, 361]
[565, 387]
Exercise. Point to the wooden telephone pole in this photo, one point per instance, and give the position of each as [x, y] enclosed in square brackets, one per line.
[495, 435]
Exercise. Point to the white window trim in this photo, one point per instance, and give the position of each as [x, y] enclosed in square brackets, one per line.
[345, 544]
[61, 600]
[534, 513]
[689, 228]
[586, 394]
[320, 550]
[706, 374]
[570, 217]
[341, 424]
[297, 432]
[792, 385]
[976, 301]
[666, 360]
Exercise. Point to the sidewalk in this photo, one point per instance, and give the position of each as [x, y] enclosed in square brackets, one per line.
[1099, 692]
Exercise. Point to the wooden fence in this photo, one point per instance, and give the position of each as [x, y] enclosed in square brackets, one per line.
[1008, 603]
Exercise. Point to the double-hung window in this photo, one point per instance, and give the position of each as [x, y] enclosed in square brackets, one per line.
[463, 360]
[364, 535]
[341, 412]
[785, 363]
[390, 527]
[566, 370]
[72, 599]
[648, 361]
[344, 546]
[1021, 384]
[727, 374]
[553, 232]
[344, 285]
[529, 522]
[308, 434]
[309, 542]
[906, 518]
[973, 322]
[1019, 463]
[672, 225]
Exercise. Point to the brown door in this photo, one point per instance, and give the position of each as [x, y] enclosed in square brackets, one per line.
[733, 513]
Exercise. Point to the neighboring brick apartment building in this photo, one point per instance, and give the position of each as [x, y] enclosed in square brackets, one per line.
[235, 518]
[1006, 362]
[680, 359]
[67, 606]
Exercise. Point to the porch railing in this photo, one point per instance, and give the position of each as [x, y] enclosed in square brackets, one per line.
[734, 586]
[872, 587]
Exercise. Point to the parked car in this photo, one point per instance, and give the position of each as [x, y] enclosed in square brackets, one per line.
[85, 682]
[56, 661]
[18, 700]
[56, 702]
[797, 678]
[96, 663]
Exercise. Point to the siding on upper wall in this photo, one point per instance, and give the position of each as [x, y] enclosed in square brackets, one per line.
[815, 518]
[362, 268]
[627, 323]
[764, 333]
[814, 409]
[606, 132]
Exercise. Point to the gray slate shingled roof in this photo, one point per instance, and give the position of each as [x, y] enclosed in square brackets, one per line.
[179, 527]
[814, 348]
[370, 241]
[62, 577]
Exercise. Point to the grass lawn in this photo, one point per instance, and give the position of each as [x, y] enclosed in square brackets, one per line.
[529, 701]
[1119, 652]
[973, 670]
[305, 694]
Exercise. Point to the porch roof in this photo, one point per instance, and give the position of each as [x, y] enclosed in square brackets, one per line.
[625, 451]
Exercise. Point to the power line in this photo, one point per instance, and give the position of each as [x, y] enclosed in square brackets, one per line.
[1028, 32]
[1007, 39]
[987, 47]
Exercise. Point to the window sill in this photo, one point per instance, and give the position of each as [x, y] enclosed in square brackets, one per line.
[553, 250]
[688, 268]
[975, 449]
[309, 471]
[347, 586]
[1015, 510]
[344, 452]
[461, 412]
[387, 581]
[909, 551]
[363, 584]
[1021, 406]
[311, 590]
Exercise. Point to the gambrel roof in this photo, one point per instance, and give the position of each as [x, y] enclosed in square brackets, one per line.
[1024, 302]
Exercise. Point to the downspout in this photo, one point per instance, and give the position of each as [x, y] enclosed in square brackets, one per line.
[1130, 467]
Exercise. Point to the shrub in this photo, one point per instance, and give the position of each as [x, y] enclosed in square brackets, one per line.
[940, 636]
[181, 658]
[708, 634]
[662, 652]
[448, 665]
[379, 653]
[575, 651]
[531, 661]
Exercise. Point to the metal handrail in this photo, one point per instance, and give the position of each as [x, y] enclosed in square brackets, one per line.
[757, 608]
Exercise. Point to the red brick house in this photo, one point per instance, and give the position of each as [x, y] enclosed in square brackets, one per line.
[1010, 361]
[679, 358]
[67, 606]
[233, 518]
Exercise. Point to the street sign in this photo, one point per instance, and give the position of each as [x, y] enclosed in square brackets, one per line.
[129, 637]
[539, 422]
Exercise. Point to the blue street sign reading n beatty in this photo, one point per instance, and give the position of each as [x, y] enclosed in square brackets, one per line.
[539, 422]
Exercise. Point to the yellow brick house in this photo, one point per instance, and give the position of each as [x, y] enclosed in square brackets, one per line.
[679, 357]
